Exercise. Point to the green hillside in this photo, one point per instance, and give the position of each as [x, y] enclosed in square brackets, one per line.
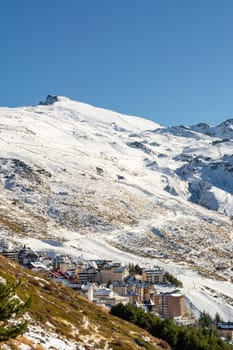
[61, 310]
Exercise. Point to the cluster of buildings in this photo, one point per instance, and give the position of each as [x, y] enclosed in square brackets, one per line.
[108, 283]
[105, 282]
[24, 255]
[225, 329]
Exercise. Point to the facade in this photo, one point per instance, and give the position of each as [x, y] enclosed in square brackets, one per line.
[225, 329]
[4, 246]
[170, 305]
[23, 256]
[62, 263]
[120, 273]
[140, 289]
[136, 290]
[106, 296]
[88, 275]
[120, 288]
[113, 272]
[176, 305]
[88, 289]
[106, 274]
[153, 276]
[12, 255]
[27, 255]
[184, 321]
[148, 291]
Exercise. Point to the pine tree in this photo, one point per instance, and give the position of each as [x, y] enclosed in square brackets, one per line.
[205, 320]
[11, 308]
[217, 318]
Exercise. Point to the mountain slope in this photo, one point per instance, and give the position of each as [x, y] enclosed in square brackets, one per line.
[61, 319]
[79, 179]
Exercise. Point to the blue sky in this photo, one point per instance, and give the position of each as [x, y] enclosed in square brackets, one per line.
[167, 60]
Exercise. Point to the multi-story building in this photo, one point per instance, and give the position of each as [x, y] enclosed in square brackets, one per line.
[106, 274]
[176, 305]
[107, 297]
[120, 287]
[113, 272]
[225, 329]
[137, 290]
[153, 276]
[12, 255]
[24, 256]
[170, 304]
[62, 263]
[140, 289]
[27, 255]
[120, 273]
[4, 245]
[88, 275]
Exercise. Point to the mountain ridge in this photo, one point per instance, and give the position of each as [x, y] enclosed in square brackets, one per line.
[102, 183]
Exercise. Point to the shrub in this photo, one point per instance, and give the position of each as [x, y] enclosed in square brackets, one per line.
[178, 337]
[10, 308]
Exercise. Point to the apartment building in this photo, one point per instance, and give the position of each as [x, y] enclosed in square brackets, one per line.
[170, 304]
[153, 276]
[120, 273]
[225, 329]
[88, 275]
[113, 272]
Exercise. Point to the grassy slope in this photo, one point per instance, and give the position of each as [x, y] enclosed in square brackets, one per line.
[73, 316]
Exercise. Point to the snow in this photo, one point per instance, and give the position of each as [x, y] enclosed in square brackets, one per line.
[199, 290]
[150, 177]
[49, 339]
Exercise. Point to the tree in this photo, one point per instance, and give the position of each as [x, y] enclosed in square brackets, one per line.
[205, 320]
[178, 337]
[173, 280]
[11, 308]
[217, 318]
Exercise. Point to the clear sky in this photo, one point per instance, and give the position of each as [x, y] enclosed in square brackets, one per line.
[166, 60]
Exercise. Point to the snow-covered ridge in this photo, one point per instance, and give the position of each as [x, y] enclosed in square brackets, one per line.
[71, 170]
[60, 131]
[224, 130]
[96, 114]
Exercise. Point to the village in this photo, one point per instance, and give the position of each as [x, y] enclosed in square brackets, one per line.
[108, 283]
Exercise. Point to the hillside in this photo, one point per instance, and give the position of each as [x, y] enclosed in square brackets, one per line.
[61, 319]
[82, 180]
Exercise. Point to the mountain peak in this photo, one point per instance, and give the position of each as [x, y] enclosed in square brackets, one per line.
[227, 122]
[79, 179]
[202, 125]
[50, 99]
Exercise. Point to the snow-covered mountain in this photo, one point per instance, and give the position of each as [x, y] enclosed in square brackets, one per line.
[95, 182]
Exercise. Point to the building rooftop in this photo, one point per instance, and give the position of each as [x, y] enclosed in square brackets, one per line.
[119, 284]
[103, 292]
[154, 270]
[38, 265]
[163, 288]
[120, 269]
[225, 325]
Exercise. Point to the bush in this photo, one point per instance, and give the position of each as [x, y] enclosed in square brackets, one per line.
[173, 280]
[10, 308]
[178, 337]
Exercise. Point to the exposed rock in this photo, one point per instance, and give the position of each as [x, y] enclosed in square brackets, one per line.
[50, 99]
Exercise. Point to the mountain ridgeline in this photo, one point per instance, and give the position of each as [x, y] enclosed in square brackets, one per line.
[84, 180]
